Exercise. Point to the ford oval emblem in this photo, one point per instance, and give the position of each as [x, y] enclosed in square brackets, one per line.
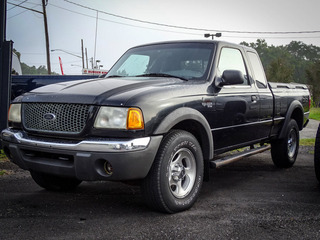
[49, 116]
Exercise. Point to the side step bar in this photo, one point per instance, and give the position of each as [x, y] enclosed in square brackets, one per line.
[233, 158]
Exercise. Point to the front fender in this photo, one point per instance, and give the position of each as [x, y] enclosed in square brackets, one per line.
[186, 114]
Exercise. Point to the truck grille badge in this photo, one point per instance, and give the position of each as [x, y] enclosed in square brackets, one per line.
[49, 116]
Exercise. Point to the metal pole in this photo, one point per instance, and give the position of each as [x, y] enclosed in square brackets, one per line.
[86, 58]
[82, 53]
[44, 2]
[3, 9]
[95, 40]
[5, 67]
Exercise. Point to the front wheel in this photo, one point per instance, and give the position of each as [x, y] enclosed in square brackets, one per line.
[284, 151]
[53, 182]
[175, 179]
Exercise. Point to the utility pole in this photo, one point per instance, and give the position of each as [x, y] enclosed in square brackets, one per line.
[86, 59]
[44, 13]
[44, 4]
[5, 67]
[82, 54]
[95, 40]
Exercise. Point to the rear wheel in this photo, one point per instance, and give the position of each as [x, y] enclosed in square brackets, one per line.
[175, 179]
[53, 182]
[284, 151]
[317, 155]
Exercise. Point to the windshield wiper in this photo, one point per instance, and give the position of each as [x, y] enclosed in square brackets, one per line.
[114, 76]
[161, 75]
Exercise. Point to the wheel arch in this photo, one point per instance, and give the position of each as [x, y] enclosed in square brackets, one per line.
[192, 121]
[295, 111]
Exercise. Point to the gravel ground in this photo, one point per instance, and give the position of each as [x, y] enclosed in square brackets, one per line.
[249, 199]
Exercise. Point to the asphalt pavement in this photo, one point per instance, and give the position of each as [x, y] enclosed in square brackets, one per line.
[249, 199]
[310, 130]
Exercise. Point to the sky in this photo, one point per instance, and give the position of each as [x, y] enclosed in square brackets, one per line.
[109, 27]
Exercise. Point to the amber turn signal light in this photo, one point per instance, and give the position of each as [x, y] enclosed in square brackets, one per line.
[135, 119]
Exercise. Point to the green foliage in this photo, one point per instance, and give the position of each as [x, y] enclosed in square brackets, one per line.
[279, 70]
[2, 156]
[293, 58]
[16, 52]
[315, 114]
[27, 70]
[307, 142]
[295, 62]
[313, 77]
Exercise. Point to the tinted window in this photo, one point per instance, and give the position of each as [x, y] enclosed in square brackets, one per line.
[231, 59]
[258, 71]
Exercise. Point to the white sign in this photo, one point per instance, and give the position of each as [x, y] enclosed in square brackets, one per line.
[94, 71]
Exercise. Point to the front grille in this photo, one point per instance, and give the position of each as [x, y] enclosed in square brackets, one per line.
[55, 117]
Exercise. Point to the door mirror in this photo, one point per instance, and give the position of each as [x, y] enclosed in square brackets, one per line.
[230, 77]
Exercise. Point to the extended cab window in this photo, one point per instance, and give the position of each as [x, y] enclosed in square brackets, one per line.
[259, 75]
[231, 59]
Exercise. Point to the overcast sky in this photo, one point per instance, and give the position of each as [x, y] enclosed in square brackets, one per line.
[69, 23]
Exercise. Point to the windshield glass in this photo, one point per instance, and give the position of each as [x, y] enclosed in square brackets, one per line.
[189, 61]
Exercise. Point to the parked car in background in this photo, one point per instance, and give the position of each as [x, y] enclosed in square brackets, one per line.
[21, 84]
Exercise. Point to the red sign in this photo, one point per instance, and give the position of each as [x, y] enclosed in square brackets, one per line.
[61, 65]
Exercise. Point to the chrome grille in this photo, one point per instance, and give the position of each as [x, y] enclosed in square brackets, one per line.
[55, 117]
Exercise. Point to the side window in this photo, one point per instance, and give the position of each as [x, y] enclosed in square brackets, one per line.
[258, 71]
[231, 59]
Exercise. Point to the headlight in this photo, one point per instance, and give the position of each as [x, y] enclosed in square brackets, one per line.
[119, 118]
[14, 114]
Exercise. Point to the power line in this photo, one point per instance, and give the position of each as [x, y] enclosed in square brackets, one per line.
[190, 28]
[18, 5]
[125, 24]
[23, 11]
[171, 31]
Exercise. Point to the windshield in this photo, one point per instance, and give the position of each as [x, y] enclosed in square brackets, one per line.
[189, 61]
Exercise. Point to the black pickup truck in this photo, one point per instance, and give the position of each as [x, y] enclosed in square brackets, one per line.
[163, 116]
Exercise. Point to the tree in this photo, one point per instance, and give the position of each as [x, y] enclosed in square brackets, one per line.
[280, 71]
[27, 70]
[294, 58]
[313, 77]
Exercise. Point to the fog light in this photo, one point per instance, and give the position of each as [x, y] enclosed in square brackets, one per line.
[108, 168]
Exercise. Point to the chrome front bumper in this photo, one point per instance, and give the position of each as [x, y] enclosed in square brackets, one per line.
[95, 145]
[85, 160]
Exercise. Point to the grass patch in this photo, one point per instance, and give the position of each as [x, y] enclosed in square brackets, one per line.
[3, 172]
[2, 156]
[315, 113]
[307, 142]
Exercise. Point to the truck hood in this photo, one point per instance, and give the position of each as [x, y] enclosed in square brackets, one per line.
[97, 91]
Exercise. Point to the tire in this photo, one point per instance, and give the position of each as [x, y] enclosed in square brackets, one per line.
[317, 155]
[284, 151]
[175, 178]
[55, 183]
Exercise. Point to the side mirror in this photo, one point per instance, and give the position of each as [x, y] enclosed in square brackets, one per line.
[230, 77]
